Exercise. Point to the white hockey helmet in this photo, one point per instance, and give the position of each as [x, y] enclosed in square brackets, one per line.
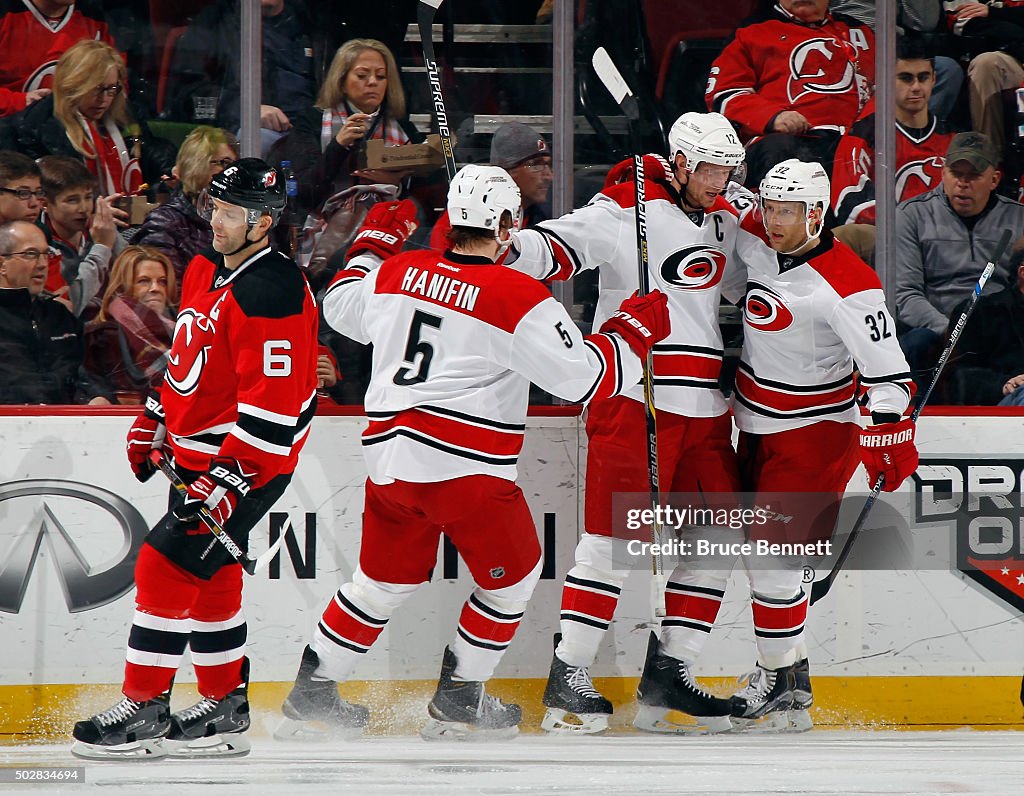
[705, 137]
[797, 181]
[479, 195]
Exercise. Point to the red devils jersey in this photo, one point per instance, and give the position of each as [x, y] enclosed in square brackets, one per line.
[919, 158]
[691, 259]
[808, 323]
[241, 372]
[30, 45]
[456, 342]
[777, 64]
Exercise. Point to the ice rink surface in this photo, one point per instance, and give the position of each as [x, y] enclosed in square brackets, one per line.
[820, 762]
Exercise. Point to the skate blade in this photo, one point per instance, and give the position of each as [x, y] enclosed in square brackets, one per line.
[220, 745]
[779, 721]
[561, 722]
[650, 718]
[436, 730]
[121, 753]
[296, 730]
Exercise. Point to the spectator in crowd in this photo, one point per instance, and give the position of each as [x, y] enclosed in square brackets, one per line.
[921, 142]
[989, 73]
[526, 156]
[21, 197]
[361, 98]
[207, 67]
[913, 17]
[943, 239]
[33, 35]
[793, 80]
[175, 228]
[87, 118]
[41, 344]
[990, 363]
[81, 231]
[130, 337]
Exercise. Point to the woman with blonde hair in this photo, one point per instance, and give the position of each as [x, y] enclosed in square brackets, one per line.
[175, 228]
[128, 342]
[361, 99]
[87, 117]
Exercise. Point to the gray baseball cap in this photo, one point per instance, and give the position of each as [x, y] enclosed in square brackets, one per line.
[975, 148]
[515, 142]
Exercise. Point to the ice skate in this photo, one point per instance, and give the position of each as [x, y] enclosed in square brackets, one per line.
[668, 685]
[574, 706]
[212, 727]
[314, 709]
[463, 711]
[128, 731]
[764, 702]
[799, 715]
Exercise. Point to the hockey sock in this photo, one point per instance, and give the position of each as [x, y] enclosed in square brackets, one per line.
[589, 598]
[692, 601]
[155, 647]
[486, 627]
[218, 649]
[779, 628]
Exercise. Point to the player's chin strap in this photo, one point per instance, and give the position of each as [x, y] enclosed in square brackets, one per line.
[247, 243]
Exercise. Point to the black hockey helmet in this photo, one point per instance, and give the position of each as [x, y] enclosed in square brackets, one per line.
[252, 184]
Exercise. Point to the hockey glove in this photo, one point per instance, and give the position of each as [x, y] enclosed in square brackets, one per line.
[146, 434]
[220, 490]
[656, 168]
[641, 321]
[888, 449]
[385, 229]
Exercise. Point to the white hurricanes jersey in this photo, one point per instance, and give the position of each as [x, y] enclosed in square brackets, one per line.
[808, 323]
[691, 260]
[456, 342]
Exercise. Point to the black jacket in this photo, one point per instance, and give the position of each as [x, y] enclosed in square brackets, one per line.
[990, 349]
[41, 353]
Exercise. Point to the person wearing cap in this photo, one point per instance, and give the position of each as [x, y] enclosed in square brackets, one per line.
[526, 156]
[944, 238]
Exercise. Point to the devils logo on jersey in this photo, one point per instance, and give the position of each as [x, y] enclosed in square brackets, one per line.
[193, 338]
[764, 309]
[819, 66]
[694, 268]
[918, 176]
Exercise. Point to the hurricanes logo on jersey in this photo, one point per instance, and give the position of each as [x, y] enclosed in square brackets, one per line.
[193, 338]
[694, 268]
[765, 310]
[928, 172]
[819, 66]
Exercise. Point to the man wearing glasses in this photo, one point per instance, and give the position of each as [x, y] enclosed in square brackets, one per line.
[526, 156]
[41, 342]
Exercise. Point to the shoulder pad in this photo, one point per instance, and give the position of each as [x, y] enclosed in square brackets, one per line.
[273, 287]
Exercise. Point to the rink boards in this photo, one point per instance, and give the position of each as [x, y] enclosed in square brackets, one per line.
[919, 645]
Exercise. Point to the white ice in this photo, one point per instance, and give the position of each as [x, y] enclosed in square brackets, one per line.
[819, 762]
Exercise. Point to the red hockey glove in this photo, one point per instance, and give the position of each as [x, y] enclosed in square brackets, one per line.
[888, 449]
[146, 434]
[385, 229]
[641, 321]
[655, 168]
[220, 490]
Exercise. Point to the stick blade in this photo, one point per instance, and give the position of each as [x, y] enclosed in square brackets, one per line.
[613, 81]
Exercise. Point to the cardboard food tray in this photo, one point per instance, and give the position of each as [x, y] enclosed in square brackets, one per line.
[420, 158]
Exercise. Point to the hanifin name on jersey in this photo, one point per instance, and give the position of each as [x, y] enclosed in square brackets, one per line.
[441, 289]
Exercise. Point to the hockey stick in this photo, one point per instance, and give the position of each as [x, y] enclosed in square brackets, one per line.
[821, 587]
[622, 95]
[250, 565]
[425, 17]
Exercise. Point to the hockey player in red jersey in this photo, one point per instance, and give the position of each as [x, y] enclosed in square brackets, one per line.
[692, 235]
[233, 412]
[456, 341]
[813, 313]
[921, 142]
